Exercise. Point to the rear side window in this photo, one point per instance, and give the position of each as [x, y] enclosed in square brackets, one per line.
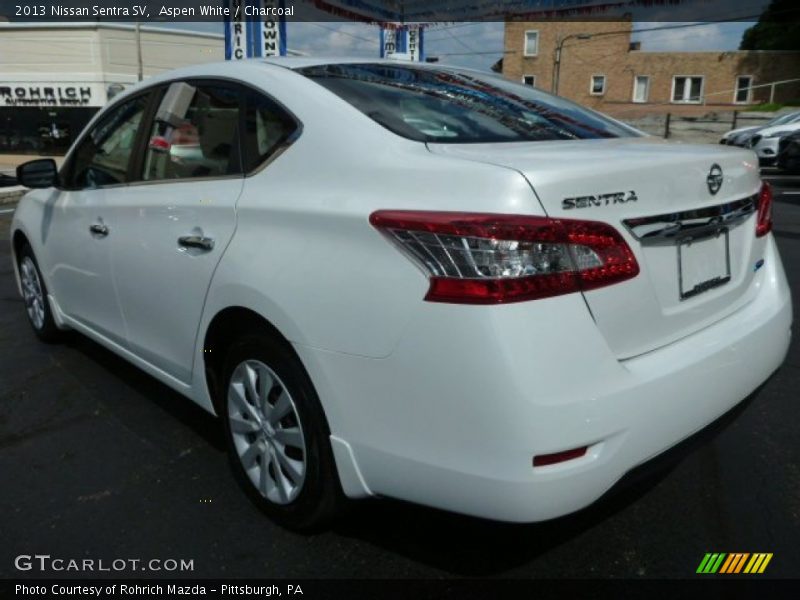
[449, 106]
[102, 158]
[195, 133]
[267, 128]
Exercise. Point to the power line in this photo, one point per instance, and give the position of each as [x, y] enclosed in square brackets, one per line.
[731, 19]
[667, 27]
[473, 53]
[449, 27]
[462, 43]
[352, 35]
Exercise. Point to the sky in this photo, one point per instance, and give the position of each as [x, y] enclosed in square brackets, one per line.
[480, 44]
[461, 43]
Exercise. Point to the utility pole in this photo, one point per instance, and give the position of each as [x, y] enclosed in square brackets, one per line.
[139, 66]
[557, 56]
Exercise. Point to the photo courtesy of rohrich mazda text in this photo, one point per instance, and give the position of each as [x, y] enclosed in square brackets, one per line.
[409, 280]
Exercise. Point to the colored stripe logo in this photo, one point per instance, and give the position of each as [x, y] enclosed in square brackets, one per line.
[735, 562]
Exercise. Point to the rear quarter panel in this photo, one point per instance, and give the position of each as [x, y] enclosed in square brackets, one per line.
[304, 255]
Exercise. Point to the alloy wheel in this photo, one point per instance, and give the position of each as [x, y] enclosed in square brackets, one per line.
[32, 292]
[266, 431]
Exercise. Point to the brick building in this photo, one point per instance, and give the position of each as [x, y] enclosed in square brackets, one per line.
[600, 67]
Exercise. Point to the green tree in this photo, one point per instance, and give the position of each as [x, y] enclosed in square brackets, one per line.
[778, 28]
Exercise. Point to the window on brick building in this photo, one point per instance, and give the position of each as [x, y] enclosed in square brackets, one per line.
[531, 43]
[529, 80]
[598, 87]
[641, 88]
[687, 90]
[744, 92]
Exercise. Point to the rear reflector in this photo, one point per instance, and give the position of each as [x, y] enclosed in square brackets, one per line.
[479, 258]
[764, 221]
[551, 459]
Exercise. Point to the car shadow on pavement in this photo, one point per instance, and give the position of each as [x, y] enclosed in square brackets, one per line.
[457, 544]
[476, 547]
[176, 405]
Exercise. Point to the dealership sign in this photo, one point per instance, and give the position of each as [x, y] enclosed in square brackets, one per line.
[402, 41]
[236, 42]
[267, 31]
[255, 28]
[55, 94]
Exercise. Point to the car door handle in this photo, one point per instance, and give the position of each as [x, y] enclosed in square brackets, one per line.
[98, 229]
[196, 241]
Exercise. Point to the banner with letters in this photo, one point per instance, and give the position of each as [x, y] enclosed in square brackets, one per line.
[255, 28]
[403, 41]
[236, 37]
[267, 27]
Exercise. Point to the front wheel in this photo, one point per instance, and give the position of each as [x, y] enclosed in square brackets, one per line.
[34, 293]
[277, 436]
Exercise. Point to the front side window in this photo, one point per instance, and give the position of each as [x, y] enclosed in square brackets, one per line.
[687, 90]
[103, 157]
[195, 133]
[598, 85]
[531, 43]
[454, 106]
[743, 89]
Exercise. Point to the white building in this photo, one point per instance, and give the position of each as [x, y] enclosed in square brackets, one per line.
[54, 77]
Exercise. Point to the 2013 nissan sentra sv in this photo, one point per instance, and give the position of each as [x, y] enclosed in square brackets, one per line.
[413, 281]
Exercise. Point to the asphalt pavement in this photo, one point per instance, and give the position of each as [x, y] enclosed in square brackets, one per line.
[99, 461]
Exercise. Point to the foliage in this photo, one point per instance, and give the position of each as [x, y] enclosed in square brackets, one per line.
[778, 28]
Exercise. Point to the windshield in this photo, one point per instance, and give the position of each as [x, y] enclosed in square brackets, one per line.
[444, 106]
[783, 119]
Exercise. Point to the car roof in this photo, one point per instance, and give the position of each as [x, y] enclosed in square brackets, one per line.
[296, 62]
[218, 68]
[792, 126]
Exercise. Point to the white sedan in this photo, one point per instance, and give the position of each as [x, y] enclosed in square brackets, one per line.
[740, 136]
[403, 280]
[765, 141]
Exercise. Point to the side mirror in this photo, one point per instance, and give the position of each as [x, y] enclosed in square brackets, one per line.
[41, 173]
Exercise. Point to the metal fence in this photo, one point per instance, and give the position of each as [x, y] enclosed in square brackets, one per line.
[736, 120]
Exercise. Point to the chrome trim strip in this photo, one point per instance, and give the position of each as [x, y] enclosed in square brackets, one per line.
[698, 223]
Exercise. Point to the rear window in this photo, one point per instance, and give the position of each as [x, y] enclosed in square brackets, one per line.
[448, 106]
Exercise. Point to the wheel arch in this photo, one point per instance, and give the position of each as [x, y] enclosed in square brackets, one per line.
[18, 240]
[228, 325]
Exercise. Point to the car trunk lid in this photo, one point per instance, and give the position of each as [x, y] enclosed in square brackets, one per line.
[697, 250]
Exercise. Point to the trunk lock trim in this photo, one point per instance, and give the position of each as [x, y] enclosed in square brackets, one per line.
[669, 228]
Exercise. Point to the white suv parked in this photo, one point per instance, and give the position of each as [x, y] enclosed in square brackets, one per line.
[409, 280]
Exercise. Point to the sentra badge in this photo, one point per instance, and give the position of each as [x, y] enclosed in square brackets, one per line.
[599, 200]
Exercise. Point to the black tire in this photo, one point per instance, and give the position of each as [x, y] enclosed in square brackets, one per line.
[320, 498]
[47, 331]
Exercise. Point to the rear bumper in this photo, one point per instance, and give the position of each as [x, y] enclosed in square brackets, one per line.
[454, 416]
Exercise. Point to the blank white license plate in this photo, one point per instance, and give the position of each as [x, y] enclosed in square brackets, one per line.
[703, 264]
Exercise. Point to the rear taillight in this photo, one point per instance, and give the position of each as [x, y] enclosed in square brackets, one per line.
[477, 258]
[764, 221]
